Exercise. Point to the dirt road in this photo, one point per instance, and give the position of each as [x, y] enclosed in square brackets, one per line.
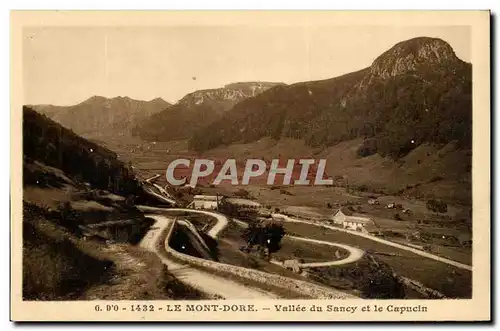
[380, 240]
[354, 253]
[205, 282]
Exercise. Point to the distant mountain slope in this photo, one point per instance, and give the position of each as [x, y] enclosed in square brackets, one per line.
[416, 92]
[197, 110]
[98, 114]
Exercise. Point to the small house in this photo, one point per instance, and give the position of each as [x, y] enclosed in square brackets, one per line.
[348, 220]
[212, 202]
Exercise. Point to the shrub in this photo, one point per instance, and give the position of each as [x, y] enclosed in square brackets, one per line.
[242, 193]
[437, 206]
[369, 147]
[436, 179]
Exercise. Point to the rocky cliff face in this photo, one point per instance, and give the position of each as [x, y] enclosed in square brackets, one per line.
[226, 97]
[197, 110]
[409, 55]
[420, 58]
[417, 91]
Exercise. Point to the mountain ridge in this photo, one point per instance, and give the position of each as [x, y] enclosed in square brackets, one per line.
[418, 91]
[197, 109]
[98, 114]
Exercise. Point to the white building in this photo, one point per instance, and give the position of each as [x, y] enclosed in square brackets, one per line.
[349, 221]
[206, 202]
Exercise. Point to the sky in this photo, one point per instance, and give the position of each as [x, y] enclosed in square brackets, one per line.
[67, 65]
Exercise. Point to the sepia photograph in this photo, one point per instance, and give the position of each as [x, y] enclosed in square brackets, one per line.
[202, 167]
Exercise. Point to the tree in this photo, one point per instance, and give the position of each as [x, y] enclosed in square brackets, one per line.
[265, 237]
[437, 206]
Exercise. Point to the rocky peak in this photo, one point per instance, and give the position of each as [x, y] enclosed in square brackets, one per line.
[408, 55]
[230, 94]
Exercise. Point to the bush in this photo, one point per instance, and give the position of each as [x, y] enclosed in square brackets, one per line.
[242, 193]
[437, 206]
[369, 147]
[436, 179]
[264, 236]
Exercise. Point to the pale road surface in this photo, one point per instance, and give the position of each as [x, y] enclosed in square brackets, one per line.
[159, 196]
[222, 220]
[380, 240]
[206, 282]
[188, 275]
[354, 253]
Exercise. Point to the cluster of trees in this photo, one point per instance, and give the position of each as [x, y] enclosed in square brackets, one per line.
[175, 123]
[265, 237]
[437, 206]
[50, 143]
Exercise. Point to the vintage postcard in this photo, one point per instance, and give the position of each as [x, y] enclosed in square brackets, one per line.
[250, 166]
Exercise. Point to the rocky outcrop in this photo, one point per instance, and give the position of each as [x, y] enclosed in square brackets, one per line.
[197, 110]
[227, 96]
[408, 55]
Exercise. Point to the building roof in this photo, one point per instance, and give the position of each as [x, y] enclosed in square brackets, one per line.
[243, 202]
[345, 211]
[359, 219]
[208, 197]
[352, 217]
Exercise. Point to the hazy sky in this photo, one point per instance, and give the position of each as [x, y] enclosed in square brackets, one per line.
[64, 66]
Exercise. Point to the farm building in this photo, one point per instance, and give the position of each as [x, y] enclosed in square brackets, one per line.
[206, 202]
[243, 202]
[348, 220]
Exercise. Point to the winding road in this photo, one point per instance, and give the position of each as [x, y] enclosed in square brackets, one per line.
[208, 283]
[221, 287]
[214, 285]
[354, 253]
[286, 218]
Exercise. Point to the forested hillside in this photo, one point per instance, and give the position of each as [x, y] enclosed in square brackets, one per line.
[48, 142]
[416, 92]
[197, 110]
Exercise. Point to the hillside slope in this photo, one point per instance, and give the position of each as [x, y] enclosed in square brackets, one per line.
[69, 185]
[417, 92]
[196, 110]
[50, 143]
[99, 114]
